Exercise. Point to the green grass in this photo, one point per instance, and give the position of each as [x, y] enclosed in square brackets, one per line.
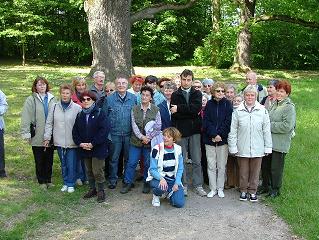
[24, 208]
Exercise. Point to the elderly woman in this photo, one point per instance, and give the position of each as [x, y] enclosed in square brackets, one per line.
[60, 122]
[137, 83]
[216, 126]
[271, 98]
[90, 132]
[146, 124]
[34, 114]
[249, 139]
[109, 88]
[3, 109]
[282, 115]
[207, 86]
[79, 86]
[230, 92]
[164, 107]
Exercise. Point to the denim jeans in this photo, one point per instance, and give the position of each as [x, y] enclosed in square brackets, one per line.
[134, 156]
[80, 170]
[68, 159]
[2, 163]
[118, 143]
[177, 199]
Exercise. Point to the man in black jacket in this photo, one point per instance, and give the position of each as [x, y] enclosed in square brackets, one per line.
[186, 104]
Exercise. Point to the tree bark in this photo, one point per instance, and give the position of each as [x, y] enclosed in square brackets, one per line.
[110, 35]
[216, 43]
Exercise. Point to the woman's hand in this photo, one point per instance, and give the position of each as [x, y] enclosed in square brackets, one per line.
[46, 143]
[175, 188]
[145, 140]
[85, 146]
[163, 185]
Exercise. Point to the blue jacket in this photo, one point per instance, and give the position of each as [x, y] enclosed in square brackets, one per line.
[165, 116]
[94, 131]
[217, 120]
[119, 113]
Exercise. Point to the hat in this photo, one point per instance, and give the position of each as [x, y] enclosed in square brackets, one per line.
[208, 81]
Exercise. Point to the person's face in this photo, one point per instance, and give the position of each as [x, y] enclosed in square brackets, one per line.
[151, 85]
[168, 93]
[251, 79]
[237, 101]
[271, 90]
[281, 94]
[250, 98]
[177, 81]
[197, 86]
[186, 81]
[137, 86]
[204, 101]
[219, 93]
[109, 89]
[65, 95]
[230, 93]
[99, 79]
[146, 97]
[41, 87]
[121, 85]
[87, 102]
[168, 140]
[80, 87]
[207, 88]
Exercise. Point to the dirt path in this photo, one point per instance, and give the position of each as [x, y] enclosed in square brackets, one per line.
[131, 216]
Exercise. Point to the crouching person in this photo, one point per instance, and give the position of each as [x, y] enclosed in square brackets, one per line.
[166, 170]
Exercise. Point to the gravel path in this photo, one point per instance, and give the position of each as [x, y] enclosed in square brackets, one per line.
[131, 216]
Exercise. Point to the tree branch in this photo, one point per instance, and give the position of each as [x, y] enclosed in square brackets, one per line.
[149, 12]
[285, 18]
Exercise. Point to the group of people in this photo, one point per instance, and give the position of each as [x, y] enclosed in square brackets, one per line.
[105, 131]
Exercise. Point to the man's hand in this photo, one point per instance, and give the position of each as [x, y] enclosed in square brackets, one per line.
[173, 109]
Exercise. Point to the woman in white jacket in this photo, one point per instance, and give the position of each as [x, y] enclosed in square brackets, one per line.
[60, 122]
[250, 139]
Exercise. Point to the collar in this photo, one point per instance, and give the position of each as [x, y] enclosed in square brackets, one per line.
[149, 106]
[242, 106]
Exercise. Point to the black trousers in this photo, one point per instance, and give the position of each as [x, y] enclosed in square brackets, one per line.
[43, 158]
[2, 163]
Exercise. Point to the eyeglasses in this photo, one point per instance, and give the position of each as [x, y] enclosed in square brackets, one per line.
[207, 85]
[219, 91]
[86, 99]
[161, 86]
[109, 90]
[197, 87]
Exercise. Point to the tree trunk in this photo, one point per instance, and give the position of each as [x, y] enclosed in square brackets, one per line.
[243, 50]
[216, 43]
[110, 34]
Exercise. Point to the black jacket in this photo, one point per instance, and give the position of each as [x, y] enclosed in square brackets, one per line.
[187, 118]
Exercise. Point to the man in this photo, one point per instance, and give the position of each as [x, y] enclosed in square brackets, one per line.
[3, 109]
[186, 103]
[251, 79]
[118, 107]
[98, 85]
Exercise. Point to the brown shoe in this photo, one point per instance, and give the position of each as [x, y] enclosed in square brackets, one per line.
[101, 196]
[91, 193]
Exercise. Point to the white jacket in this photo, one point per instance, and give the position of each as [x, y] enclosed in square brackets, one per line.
[61, 122]
[250, 134]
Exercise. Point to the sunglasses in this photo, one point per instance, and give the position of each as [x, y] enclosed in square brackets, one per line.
[219, 91]
[109, 90]
[86, 99]
[197, 86]
[207, 85]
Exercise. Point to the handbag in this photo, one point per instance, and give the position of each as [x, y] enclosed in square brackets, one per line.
[33, 125]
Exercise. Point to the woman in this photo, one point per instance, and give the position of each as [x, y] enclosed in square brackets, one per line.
[90, 132]
[143, 115]
[230, 92]
[216, 126]
[271, 97]
[60, 122]
[282, 122]
[109, 88]
[137, 83]
[164, 107]
[166, 170]
[34, 114]
[3, 109]
[249, 139]
[79, 86]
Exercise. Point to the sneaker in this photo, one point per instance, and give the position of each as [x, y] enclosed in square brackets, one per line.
[200, 191]
[126, 188]
[70, 189]
[221, 193]
[79, 182]
[156, 201]
[101, 196]
[185, 191]
[243, 196]
[211, 194]
[64, 188]
[91, 193]
[253, 197]
[146, 188]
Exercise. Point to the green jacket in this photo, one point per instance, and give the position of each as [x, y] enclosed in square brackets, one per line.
[282, 122]
[33, 112]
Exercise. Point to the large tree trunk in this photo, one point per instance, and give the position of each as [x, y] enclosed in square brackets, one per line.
[110, 34]
[216, 43]
[243, 50]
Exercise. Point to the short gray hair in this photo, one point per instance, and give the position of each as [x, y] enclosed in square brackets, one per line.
[250, 88]
[170, 85]
[97, 73]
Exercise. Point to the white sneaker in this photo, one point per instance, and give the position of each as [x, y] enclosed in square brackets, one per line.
[79, 182]
[156, 201]
[185, 191]
[200, 191]
[64, 188]
[221, 193]
[70, 189]
[211, 194]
